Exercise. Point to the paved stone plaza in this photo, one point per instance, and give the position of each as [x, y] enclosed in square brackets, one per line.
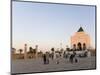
[36, 65]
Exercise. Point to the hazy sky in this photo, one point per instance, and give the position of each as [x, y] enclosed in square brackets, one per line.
[48, 25]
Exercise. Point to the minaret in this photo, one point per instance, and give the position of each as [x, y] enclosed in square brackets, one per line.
[36, 47]
[25, 51]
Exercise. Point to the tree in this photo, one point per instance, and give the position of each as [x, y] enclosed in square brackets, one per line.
[62, 50]
[52, 49]
[20, 50]
[30, 50]
[41, 52]
[34, 51]
[67, 48]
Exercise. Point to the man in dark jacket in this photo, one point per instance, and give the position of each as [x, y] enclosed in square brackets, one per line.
[44, 58]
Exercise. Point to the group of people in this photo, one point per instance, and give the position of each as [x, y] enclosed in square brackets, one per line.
[72, 57]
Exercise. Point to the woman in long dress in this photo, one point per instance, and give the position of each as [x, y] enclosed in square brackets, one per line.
[57, 58]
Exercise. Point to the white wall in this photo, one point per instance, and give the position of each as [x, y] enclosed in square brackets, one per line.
[5, 37]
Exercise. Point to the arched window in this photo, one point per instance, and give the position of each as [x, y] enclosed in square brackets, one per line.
[74, 46]
[79, 46]
[84, 46]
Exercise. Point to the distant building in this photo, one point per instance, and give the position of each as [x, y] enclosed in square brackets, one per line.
[80, 38]
[13, 51]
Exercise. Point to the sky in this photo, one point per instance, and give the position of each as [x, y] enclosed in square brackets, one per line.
[49, 25]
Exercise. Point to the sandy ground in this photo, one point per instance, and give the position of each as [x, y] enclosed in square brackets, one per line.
[36, 65]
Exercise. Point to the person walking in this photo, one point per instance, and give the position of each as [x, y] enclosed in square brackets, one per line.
[44, 58]
[47, 58]
[58, 58]
[71, 58]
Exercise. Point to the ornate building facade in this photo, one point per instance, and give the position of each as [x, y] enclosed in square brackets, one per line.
[80, 40]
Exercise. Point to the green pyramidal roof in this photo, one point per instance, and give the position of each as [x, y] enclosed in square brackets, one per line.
[80, 30]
